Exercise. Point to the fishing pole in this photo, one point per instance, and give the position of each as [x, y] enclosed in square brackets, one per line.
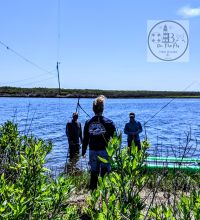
[79, 106]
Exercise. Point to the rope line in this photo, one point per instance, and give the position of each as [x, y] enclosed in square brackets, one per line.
[58, 29]
[38, 81]
[22, 80]
[25, 59]
[163, 107]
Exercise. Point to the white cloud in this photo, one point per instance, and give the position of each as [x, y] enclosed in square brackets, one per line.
[187, 11]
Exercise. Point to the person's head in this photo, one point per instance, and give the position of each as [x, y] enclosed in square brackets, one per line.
[75, 116]
[132, 116]
[98, 105]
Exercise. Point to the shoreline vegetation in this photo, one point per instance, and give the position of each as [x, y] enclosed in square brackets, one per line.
[7, 91]
[28, 190]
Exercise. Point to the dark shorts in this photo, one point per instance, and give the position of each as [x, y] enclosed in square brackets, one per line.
[74, 150]
[137, 143]
[95, 164]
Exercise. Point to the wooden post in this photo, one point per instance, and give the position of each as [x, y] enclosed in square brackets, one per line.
[57, 67]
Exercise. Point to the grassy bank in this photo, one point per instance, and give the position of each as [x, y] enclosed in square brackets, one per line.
[90, 93]
[29, 191]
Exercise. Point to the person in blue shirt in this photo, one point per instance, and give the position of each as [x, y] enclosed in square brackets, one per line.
[97, 132]
[132, 129]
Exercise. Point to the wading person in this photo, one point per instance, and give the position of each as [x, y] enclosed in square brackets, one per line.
[132, 129]
[74, 135]
[97, 133]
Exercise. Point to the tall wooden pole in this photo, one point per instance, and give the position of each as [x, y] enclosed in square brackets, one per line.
[57, 67]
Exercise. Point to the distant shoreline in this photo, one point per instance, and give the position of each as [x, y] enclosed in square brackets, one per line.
[91, 93]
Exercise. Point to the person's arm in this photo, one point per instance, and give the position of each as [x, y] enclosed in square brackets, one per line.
[66, 130]
[126, 130]
[139, 128]
[113, 129]
[68, 133]
[85, 139]
[81, 136]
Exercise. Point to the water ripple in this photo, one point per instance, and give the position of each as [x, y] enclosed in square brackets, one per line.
[46, 118]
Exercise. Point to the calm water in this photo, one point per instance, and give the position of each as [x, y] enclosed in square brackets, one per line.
[46, 118]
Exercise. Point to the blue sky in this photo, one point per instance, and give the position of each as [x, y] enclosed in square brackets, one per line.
[103, 44]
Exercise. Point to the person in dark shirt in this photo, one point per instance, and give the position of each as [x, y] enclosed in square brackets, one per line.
[74, 135]
[132, 129]
[97, 133]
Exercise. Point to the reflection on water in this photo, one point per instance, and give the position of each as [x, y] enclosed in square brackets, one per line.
[46, 118]
[71, 165]
[72, 159]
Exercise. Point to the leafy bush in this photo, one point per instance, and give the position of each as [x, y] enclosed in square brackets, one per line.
[187, 208]
[26, 189]
[120, 194]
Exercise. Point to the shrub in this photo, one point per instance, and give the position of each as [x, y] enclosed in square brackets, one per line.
[120, 194]
[26, 189]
